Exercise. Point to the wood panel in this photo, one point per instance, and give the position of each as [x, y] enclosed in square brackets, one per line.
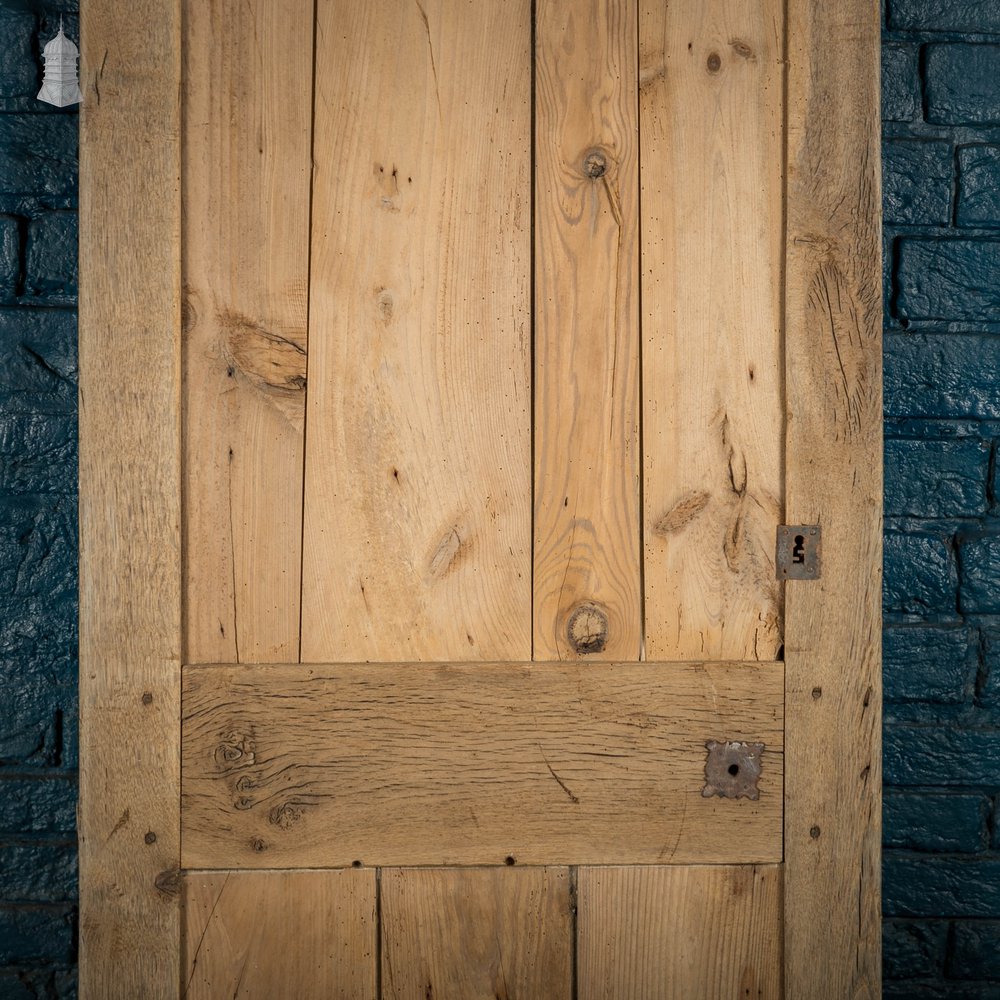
[417, 512]
[461, 933]
[587, 526]
[306, 934]
[474, 764]
[834, 448]
[713, 410]
[130, 576]
[680, 933]
[247, 167]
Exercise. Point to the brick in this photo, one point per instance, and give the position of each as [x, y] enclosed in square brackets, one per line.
[38, 359]
[922, 821]
[19, 983]
[10, 258]
[932, 375]
[990, 694]
[43, 804]
[913, 948]
[935, 665]
[945, 15]
[38, 155]
[928, 885]
[932, 478]
[38, 872]
[976, 950]
[18, 68]
[38, 453]
[948, 280]
[978, 186]
[38, 548]
[980, 587]
[35, 934]
[941, 755]
[962, 84]
[920, 575]
[30, 735]
[51, 257]
[900, 83]
[916, 182]
[943, 990]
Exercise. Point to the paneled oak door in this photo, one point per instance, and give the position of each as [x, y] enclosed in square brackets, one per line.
[448, 372]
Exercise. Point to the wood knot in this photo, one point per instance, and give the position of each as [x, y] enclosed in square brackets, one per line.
[270, 361]
[587, 630]
[284, 816]
[168, 883]
[595, 164]
[235, 748]
[714, 62]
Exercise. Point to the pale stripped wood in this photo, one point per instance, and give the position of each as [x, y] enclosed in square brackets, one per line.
[247, 134]
[713, 409]
[417, 519]
[834, 474]
[310, 935]
[130, 574]
[680, 933]
[477, 933]
[587, 522]
[403, 764]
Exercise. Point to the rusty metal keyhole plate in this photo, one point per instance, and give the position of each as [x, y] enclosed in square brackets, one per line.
[732, 769]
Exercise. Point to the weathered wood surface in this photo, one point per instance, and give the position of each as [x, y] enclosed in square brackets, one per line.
[130, 574]
[310, 935]
[418, 467]
[712, 253]
[679, 933]
[415, 764]
[452, 934]
[247, 171]
[587, 590]
[834, 476]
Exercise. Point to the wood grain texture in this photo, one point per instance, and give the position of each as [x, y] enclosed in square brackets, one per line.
[712, 244]
[247, 171]
[680, 933]
[834, 475]
[417, 520]
[461, 934]
[130, 574]
[587, 525]
[415, 764]
[310, 935]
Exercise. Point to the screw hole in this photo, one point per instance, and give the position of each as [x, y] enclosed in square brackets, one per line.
[734, 769]
[509, 860]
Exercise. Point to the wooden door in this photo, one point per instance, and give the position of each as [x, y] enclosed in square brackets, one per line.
[448, 372]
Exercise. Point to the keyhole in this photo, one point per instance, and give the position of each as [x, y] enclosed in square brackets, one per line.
[799, 549]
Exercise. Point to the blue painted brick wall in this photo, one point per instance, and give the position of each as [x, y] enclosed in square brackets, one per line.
[941, 172]
[38, 542]
[941, 110]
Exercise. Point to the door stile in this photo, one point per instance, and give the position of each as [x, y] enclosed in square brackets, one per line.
[833, 330]
[130, 469]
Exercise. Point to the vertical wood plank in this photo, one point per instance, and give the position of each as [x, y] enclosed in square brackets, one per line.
[586, 556]
[680, 933]
[417, 519]
[454, 933]
[712, 242]
[304, 934]
[130, 575]
[247, 171]
[834, 473]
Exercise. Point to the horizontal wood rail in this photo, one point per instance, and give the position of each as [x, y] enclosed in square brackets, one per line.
[288, 766]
